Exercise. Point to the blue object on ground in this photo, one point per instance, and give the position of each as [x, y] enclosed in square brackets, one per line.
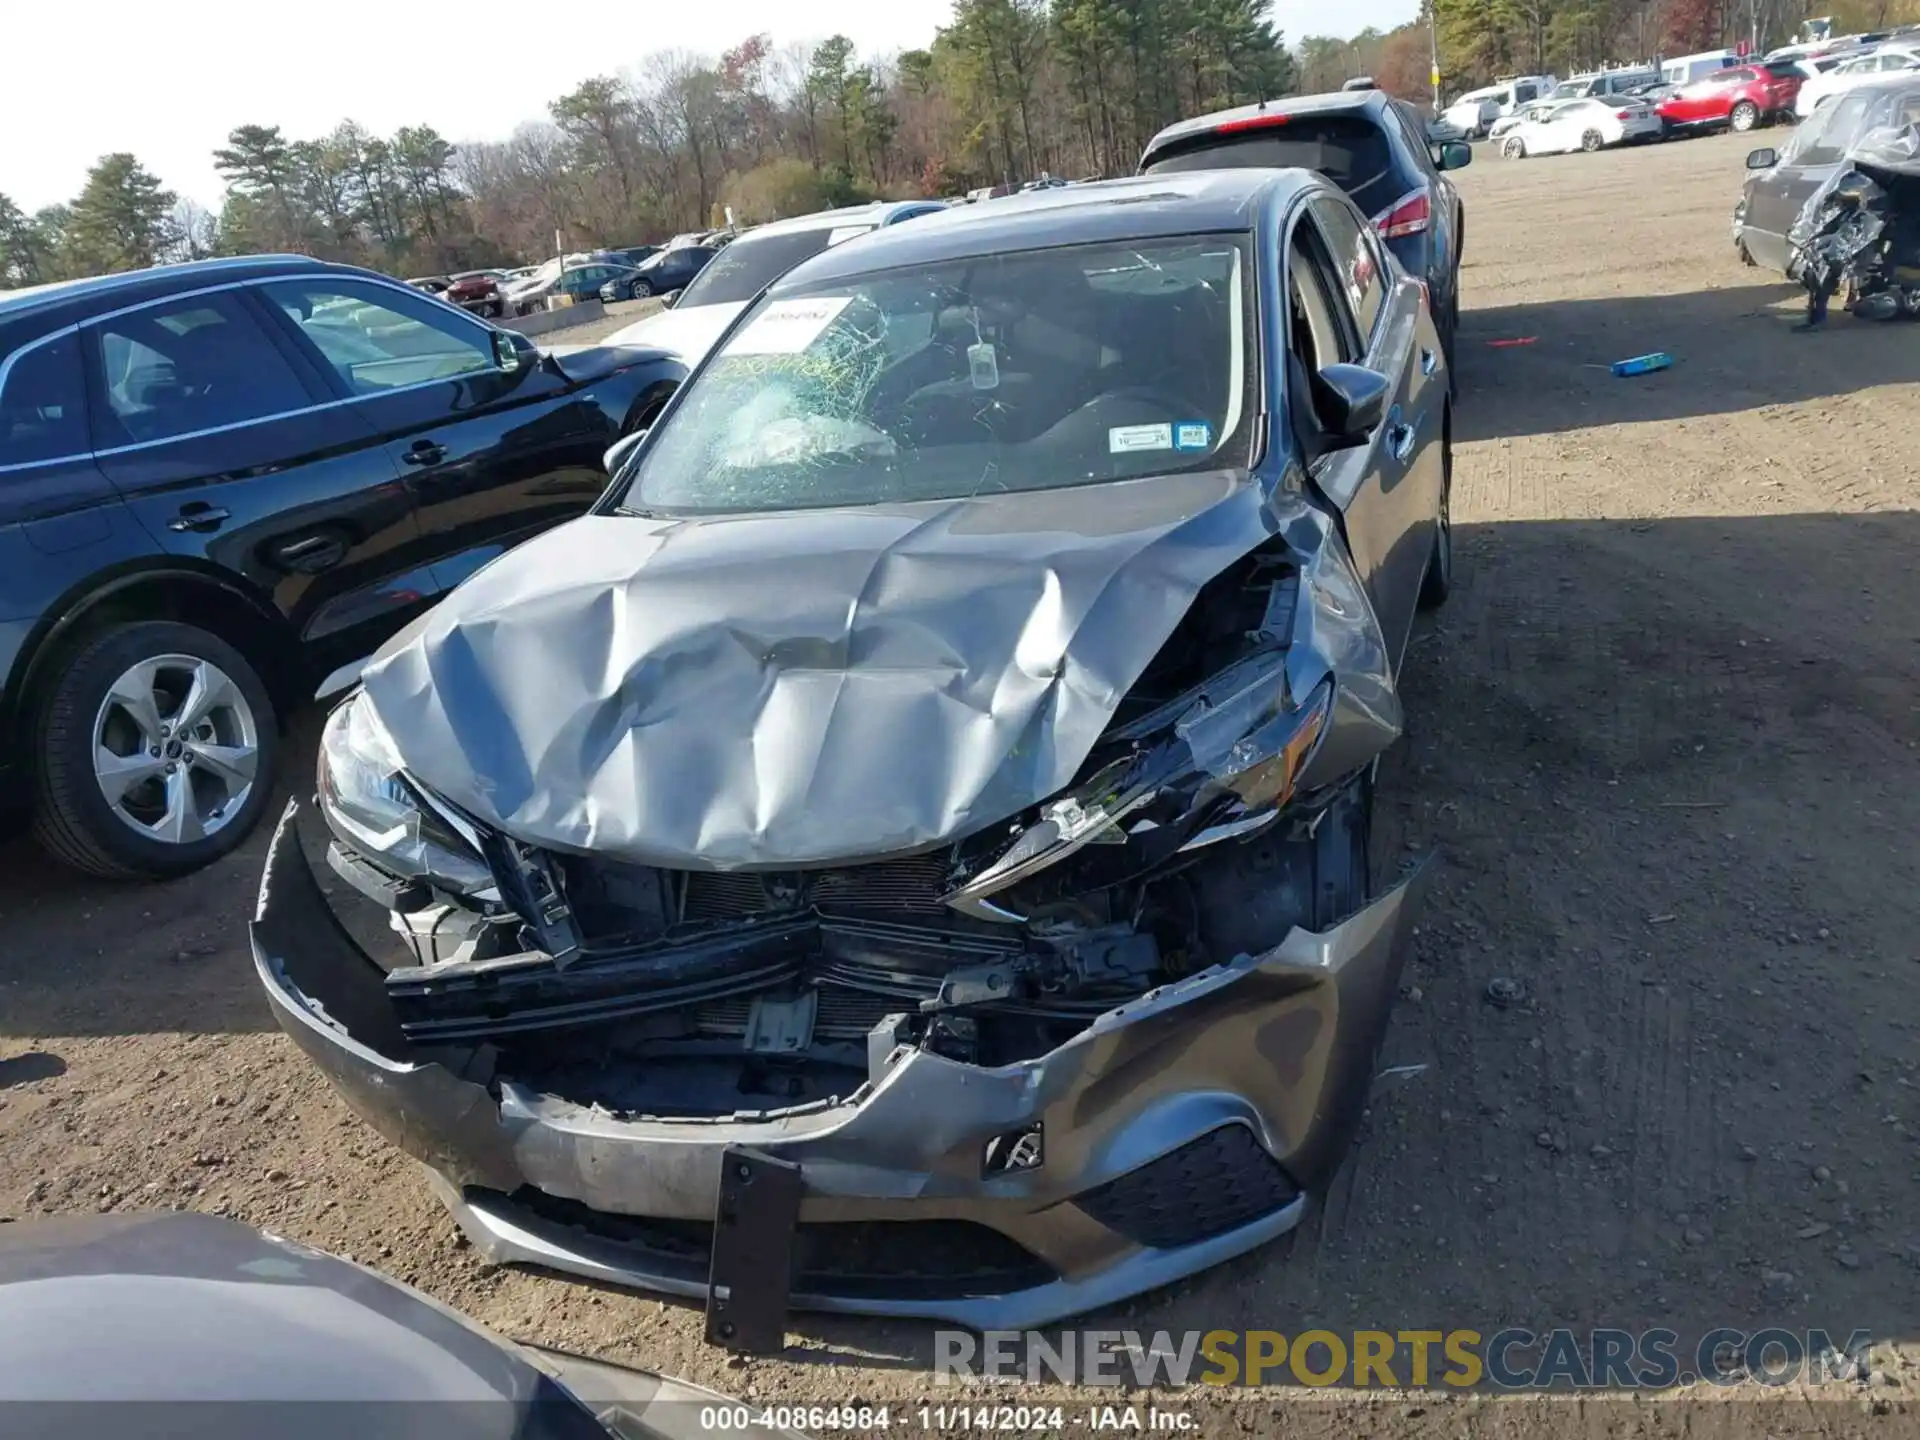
[1641, 364]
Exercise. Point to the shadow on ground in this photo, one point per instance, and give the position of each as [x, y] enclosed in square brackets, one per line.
[1729, 350]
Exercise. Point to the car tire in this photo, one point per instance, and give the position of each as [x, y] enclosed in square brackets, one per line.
[1591, 141]
[1744, 117]
[642, 289]
[1513, 148]
[1438, 582]
[92, 714]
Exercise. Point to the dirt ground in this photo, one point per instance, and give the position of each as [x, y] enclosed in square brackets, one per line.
[1664, 740]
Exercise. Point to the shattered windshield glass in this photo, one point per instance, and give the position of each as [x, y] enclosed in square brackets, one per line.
[1029, 370]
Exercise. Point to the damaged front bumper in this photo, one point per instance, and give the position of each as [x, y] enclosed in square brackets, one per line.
[1174, 1132]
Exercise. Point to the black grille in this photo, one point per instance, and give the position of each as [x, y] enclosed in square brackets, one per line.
[1209, 1186]
[913, 885]
[717, 895]
[872, 1259]
[842, 1013]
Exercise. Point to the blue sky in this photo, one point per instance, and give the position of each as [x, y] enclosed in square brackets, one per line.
[169, 81]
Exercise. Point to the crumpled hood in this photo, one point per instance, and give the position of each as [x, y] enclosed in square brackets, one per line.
[801, 688]
[685, 334]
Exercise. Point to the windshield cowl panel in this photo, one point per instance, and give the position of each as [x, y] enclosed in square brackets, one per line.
[1032, 370]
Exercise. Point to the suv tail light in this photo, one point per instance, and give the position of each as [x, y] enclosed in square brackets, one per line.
[1408, 215]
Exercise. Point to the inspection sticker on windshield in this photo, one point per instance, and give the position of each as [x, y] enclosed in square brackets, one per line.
[1192, 435]
[1125, 439]
[786, 327]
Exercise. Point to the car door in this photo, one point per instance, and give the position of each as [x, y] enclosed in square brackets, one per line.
[1388, 489]
[490, 455]
[1564, 128]
[229, 446]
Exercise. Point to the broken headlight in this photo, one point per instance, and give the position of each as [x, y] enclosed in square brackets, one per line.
[373, 809]
[1237, 749]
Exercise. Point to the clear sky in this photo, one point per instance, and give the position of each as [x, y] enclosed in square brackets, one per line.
[168, 81]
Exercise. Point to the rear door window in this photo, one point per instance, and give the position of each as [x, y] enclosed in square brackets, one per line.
[43, 413]
[1322, 330]
[1356, 263]
[198, 363]
[1351, 150]
[747, 267]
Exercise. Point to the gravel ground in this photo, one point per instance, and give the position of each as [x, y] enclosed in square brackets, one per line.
[1664, 739]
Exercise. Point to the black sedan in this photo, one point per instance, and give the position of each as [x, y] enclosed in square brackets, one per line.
[661, 273]
[222, 486]
[1372, 146]
[167, 1323]
[907, 849]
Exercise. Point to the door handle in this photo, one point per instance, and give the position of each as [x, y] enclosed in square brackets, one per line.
[425, 452]
[1400, 441]
[200, 517]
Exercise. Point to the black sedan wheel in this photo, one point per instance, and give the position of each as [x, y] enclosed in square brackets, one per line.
[156, 752]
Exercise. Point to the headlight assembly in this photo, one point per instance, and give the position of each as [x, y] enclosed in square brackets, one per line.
[1240, 754]
[372, 808]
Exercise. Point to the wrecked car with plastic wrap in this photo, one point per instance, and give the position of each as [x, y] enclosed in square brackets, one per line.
[1838, 208]
[906, 851]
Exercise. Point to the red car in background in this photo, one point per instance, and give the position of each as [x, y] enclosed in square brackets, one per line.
[1739, 98]
[478, 291]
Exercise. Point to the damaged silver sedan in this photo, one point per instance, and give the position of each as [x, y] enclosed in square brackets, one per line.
[906, 851]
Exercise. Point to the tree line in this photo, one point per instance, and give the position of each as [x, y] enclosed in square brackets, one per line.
[1007, 91]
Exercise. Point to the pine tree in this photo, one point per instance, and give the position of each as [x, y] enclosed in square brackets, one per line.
[122, 219]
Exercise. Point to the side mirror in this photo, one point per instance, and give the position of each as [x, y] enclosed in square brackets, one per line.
[1762, 159]
[506, 352]
[621, 449]
[1350, 401]
[670, 299]
[1453, 155]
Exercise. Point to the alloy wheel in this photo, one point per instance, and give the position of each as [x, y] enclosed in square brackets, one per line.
[176, 748]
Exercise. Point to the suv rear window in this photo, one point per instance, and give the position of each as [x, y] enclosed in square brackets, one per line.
[749, 265]
[1350, 150]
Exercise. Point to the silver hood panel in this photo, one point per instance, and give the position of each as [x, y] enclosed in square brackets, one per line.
[803, 688]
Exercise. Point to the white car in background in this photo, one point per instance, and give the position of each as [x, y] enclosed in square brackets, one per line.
[1861, 70]
[1475, 112]
[1589, 124]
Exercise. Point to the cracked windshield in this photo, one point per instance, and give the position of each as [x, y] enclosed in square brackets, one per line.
[1022, 371]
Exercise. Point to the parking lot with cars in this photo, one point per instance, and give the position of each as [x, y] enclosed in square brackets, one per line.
[1653, 1058]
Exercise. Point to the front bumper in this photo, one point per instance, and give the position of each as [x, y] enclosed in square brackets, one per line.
[1177, 1131]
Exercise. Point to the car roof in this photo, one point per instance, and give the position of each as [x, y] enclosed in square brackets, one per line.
[1137, 207]
[76, 300]
[1359, 102]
